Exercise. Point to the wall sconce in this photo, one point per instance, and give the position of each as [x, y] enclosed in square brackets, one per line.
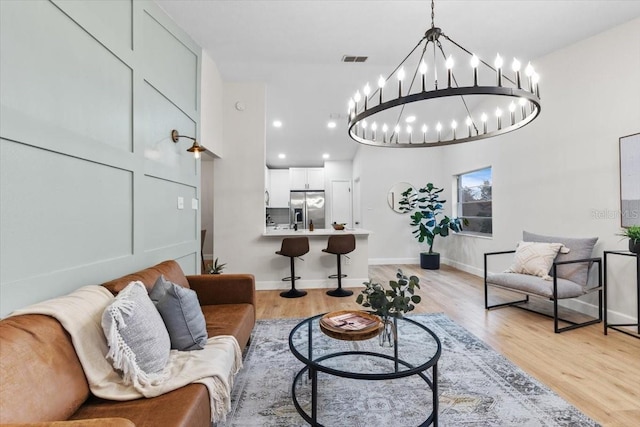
[196, 148]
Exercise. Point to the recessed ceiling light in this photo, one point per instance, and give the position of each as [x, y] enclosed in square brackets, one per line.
[325, 156]
[410, 119]
[277, 124]
[331, 124]
[282, 156]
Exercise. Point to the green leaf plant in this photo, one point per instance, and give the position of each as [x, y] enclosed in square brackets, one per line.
[215, 268]
[394, 302]
[632, 233]
[428, 216]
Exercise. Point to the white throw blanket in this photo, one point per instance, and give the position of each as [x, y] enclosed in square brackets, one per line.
[80, 313]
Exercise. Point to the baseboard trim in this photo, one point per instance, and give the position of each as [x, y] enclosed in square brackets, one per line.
[463, 267]
[271, 285]
[391, 261]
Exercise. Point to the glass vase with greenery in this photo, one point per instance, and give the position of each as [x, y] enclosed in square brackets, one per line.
[390, 303]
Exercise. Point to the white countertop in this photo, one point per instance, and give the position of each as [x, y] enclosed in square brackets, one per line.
[270, 232]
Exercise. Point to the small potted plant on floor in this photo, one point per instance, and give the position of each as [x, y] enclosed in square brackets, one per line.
[633, 234]
[390, 303]
[430, 221]
[215, 268]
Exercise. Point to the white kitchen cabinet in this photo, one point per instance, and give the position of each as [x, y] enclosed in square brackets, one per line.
[306, 178]
[279, 188]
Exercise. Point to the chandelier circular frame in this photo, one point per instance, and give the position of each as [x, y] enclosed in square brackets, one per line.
[528, 100]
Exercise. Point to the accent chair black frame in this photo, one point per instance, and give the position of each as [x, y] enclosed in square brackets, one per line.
[556, 319]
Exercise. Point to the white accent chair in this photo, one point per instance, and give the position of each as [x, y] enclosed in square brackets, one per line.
[569, 272]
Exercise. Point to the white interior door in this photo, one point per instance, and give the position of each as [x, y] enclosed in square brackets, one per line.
[341, 202]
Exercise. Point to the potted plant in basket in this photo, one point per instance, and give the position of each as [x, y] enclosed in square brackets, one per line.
[390, 303]
[633, 234]
[428, 210]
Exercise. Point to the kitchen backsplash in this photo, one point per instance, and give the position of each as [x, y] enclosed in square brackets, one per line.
[279, 215]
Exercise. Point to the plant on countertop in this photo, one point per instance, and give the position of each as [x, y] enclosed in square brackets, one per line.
[428, 208]
[394, 302]
[215, 268]
[633, 234]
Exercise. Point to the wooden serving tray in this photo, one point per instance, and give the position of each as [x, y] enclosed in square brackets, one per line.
[339, 333]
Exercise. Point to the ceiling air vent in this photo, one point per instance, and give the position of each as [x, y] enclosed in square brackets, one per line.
[353, 58]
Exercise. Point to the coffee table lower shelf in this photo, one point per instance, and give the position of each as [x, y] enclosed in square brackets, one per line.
[312, 418]
[403, 369]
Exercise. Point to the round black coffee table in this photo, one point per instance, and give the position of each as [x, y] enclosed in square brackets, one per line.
[322, 353]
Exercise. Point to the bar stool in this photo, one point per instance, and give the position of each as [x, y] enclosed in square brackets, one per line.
[293, 247]
[340, 245]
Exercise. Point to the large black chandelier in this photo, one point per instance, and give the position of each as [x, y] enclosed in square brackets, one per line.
[502, 100]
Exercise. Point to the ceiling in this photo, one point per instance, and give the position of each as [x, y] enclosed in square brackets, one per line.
[295, 48]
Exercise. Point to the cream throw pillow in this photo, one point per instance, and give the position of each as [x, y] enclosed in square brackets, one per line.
[535, 258]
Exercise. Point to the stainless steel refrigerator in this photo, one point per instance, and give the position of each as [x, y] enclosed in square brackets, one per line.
[307, 206]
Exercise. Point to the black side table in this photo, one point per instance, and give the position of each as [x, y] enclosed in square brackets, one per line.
[618, 326]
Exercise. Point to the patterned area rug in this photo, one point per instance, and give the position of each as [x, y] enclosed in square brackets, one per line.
[477, 387]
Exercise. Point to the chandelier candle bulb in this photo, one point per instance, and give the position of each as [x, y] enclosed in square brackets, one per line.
[512, 111]
[475, 61]
[364, 129]
[385, 128]
[523, 109]
[515, 66]
[381, 82]
[468, 123]
[423, 71]
[454, 125]
[366, 91]
[535, 78]
[528, 71]
[439, 129]
[499, 117]
[498, 63]
[357, 97]
[396, 131]
[424, 133]
[374, 127]
[449, 65]
[484, 122]
[409, 130]
[400, 78]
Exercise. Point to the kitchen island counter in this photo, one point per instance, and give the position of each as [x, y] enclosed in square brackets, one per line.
[284, 232]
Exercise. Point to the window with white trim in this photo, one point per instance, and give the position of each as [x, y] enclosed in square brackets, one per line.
[474, 201]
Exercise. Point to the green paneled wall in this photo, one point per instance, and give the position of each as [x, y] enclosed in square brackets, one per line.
[89, 177]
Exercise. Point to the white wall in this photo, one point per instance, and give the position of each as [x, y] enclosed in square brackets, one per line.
[211, 138]
[239, 181]
[89, 174]
[211, 116]
[206, 207]
[378, 169]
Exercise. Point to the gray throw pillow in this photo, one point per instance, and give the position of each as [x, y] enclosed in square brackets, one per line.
[182, 315]
[138, 341]
[579, 248]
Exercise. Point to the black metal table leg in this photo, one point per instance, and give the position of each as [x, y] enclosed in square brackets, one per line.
[314, 396]
[434, 382]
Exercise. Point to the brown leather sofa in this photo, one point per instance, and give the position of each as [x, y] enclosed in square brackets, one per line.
[42, 382]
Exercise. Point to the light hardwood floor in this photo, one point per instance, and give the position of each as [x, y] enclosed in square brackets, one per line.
[598, 374]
